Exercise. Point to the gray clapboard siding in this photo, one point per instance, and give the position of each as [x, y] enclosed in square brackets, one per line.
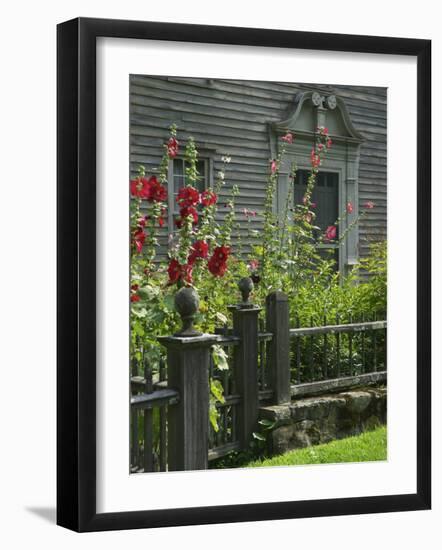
[232, 116]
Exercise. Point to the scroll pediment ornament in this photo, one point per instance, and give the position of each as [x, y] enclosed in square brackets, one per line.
[322, 104]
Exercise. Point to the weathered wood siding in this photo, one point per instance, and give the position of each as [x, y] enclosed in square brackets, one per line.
[231, 117]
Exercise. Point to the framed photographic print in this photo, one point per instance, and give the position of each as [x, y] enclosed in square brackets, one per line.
[243, 218]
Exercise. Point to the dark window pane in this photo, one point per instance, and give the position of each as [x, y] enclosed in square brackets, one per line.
[325, 195]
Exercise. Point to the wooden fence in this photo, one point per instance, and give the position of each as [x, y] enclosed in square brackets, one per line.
[269, 363]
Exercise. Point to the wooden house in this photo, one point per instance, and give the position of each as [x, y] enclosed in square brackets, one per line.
[245, 120]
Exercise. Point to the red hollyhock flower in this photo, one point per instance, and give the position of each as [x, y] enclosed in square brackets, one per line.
[138, 239]
[329, 143]
[200, 249]
[140, 187]
[208, 197]
[134, 297]
[221, 253]
[288, 138]
[142, 221]
[172, 147]
[185, 212]
[330, 233]
[349, 208]
[158, 192]
[186, 273]
[369, 205]
[188, 196]
[216, 267]
[176, 271]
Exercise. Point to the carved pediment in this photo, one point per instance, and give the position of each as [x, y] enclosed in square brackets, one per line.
[313, 109]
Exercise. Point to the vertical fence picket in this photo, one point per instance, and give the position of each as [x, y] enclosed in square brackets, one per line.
[363, 347]
[163, 424]
[338, 349]
[298, 353]
[261, 357]
[375, 351]
[350, 349]
[134, 438]
[148, 421]
[311, 341]
[324, 352]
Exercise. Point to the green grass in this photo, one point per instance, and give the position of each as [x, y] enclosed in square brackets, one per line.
[366, 447]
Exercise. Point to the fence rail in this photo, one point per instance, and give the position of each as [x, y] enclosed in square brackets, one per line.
[333, 351]
[268, 363]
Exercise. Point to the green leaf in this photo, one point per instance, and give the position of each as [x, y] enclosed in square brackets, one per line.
[169, 302]
[217, 390]
[267, 423]
[220, 357]
[259, 436]
[221, 317]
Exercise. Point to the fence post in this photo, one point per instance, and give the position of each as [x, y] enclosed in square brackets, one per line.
[188, 356]
[245, 362]
[278, 354]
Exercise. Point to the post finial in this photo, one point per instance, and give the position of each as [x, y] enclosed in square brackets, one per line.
[245, 286]
[187, 303]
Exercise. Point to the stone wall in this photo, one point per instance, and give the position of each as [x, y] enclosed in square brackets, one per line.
[312, 420]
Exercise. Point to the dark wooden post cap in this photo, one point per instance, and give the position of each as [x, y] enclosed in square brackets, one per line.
[187, 303]
[245, 286]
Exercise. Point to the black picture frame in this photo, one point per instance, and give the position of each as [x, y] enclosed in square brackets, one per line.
[76, 272]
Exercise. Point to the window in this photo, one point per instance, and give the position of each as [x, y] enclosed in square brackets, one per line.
[177, 179]
[326, 198]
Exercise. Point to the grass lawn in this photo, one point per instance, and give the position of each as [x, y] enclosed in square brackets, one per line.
[366, 447]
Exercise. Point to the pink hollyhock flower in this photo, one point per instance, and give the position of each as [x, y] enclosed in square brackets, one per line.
[288, 138]
[208, 197]
[188, 196]
[315, 159]
[369, 205]
[330, 233]
[273, 166]
[349, 208]
[313, 205]
[249, 213]
[253, 265]
[172, 148]
[329, 143]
